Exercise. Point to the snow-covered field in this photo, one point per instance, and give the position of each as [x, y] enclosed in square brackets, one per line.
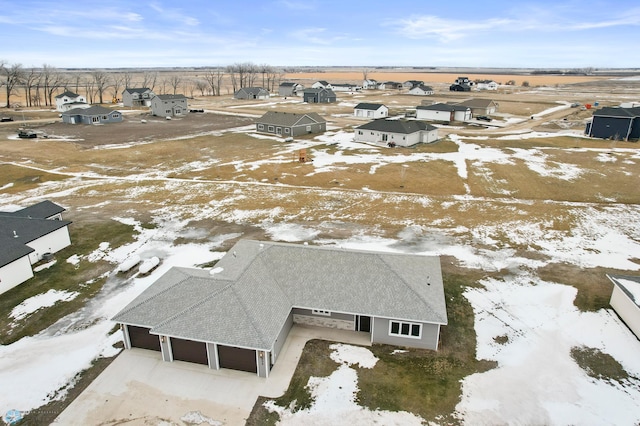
[536, 380]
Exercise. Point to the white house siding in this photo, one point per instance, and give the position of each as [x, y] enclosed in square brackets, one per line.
[462, 115]
[428, 114]
[627, 309]
[381, 112]
[428, 340]
[377, 137]
[50, 243]
[15, 273]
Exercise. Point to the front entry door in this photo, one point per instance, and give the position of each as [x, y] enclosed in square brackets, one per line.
[363, 323]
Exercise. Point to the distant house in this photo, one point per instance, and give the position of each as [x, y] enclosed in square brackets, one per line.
[463, 81]
[480, 106]
[615, 123]
[318, 96]
[135, 97]
[410, 84]
[345, 87]
[370, 111]
[95, 114]
[390, 85]
[239, 316]
[290, 124]
[443, 112]
[290, 89]
[486, 85]
[26, 237]
[396, 132]
[625, 300]
[421, 90]
[69, 100]
[369, 84]
[321, 84]
[251, 93]
[169, 105]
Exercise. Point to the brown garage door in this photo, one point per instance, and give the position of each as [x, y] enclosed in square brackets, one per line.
[140, 338]
[237, 358]
[190, 351]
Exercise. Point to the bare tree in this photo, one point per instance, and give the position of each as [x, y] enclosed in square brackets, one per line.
[89, 87]
[265, 70]
[128, 79]
[365, 74]
[189, 86]
[100, 82]
[231, 70]
[117, 81]
[150, 79]
[51, 81]
[174, 81]
[12, 76]
[201, 86]
[31, 78]
[214, 79]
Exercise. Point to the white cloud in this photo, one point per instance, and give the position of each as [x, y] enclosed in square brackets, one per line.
[446, 29]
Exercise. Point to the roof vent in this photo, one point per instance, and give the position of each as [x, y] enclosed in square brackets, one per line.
[15, 234]
[235, 254]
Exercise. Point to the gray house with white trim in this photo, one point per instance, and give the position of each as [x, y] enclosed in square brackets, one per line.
[251, 93]
[290, 89]
[443, 112]
[319, 96]
[396, 132]
[290, 124]
[238, 315]
[169, 105]
[95, 114]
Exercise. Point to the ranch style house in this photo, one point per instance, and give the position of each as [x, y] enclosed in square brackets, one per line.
[238, 315]
[289, 124]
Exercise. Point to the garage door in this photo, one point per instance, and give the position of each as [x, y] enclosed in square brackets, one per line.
[237, 358]
[190, 351]
[140, 338]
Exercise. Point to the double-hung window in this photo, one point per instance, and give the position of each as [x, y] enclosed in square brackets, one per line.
[405, 329]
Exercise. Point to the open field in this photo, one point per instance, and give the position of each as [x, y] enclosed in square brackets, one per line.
[527, 206]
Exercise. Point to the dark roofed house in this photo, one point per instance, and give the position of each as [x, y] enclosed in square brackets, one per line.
[238, 316]
[169, 105]
[95, 114]
[443, 112]
[460, 88]
[319, 96]
[288, 124]
[370, 110]
[251, 93]
[396, 132]
[26, 236]
[615, 123]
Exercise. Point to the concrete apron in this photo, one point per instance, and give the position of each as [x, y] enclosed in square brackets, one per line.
[138, 387]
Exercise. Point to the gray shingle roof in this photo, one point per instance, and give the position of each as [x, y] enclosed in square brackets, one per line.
[397, 126]
[170, 97]
[288, 119]
[443, 107]
[477, 103]
[42, 210]
[368, 106]
[137, 89]
[247, 303]
[93, 110]
[68, 94]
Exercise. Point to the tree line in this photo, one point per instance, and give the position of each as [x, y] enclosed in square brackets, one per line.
[40, 85]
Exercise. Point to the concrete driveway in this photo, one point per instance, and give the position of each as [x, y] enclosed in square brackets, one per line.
[138, 388]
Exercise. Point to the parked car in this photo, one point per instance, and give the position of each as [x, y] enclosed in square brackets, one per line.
[5, 119]
[483, 118]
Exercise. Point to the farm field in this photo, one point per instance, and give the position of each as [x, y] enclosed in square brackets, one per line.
[527, 214]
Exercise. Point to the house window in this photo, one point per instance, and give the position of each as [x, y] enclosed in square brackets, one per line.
[116, 115]
[104, 117]
[308, 128]
[320, 312]
[385, 137]
[359, 132]
[270, 128]
[260, 126]
[95, 119]
[286, 130]
[405, 329]
[167, 111]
